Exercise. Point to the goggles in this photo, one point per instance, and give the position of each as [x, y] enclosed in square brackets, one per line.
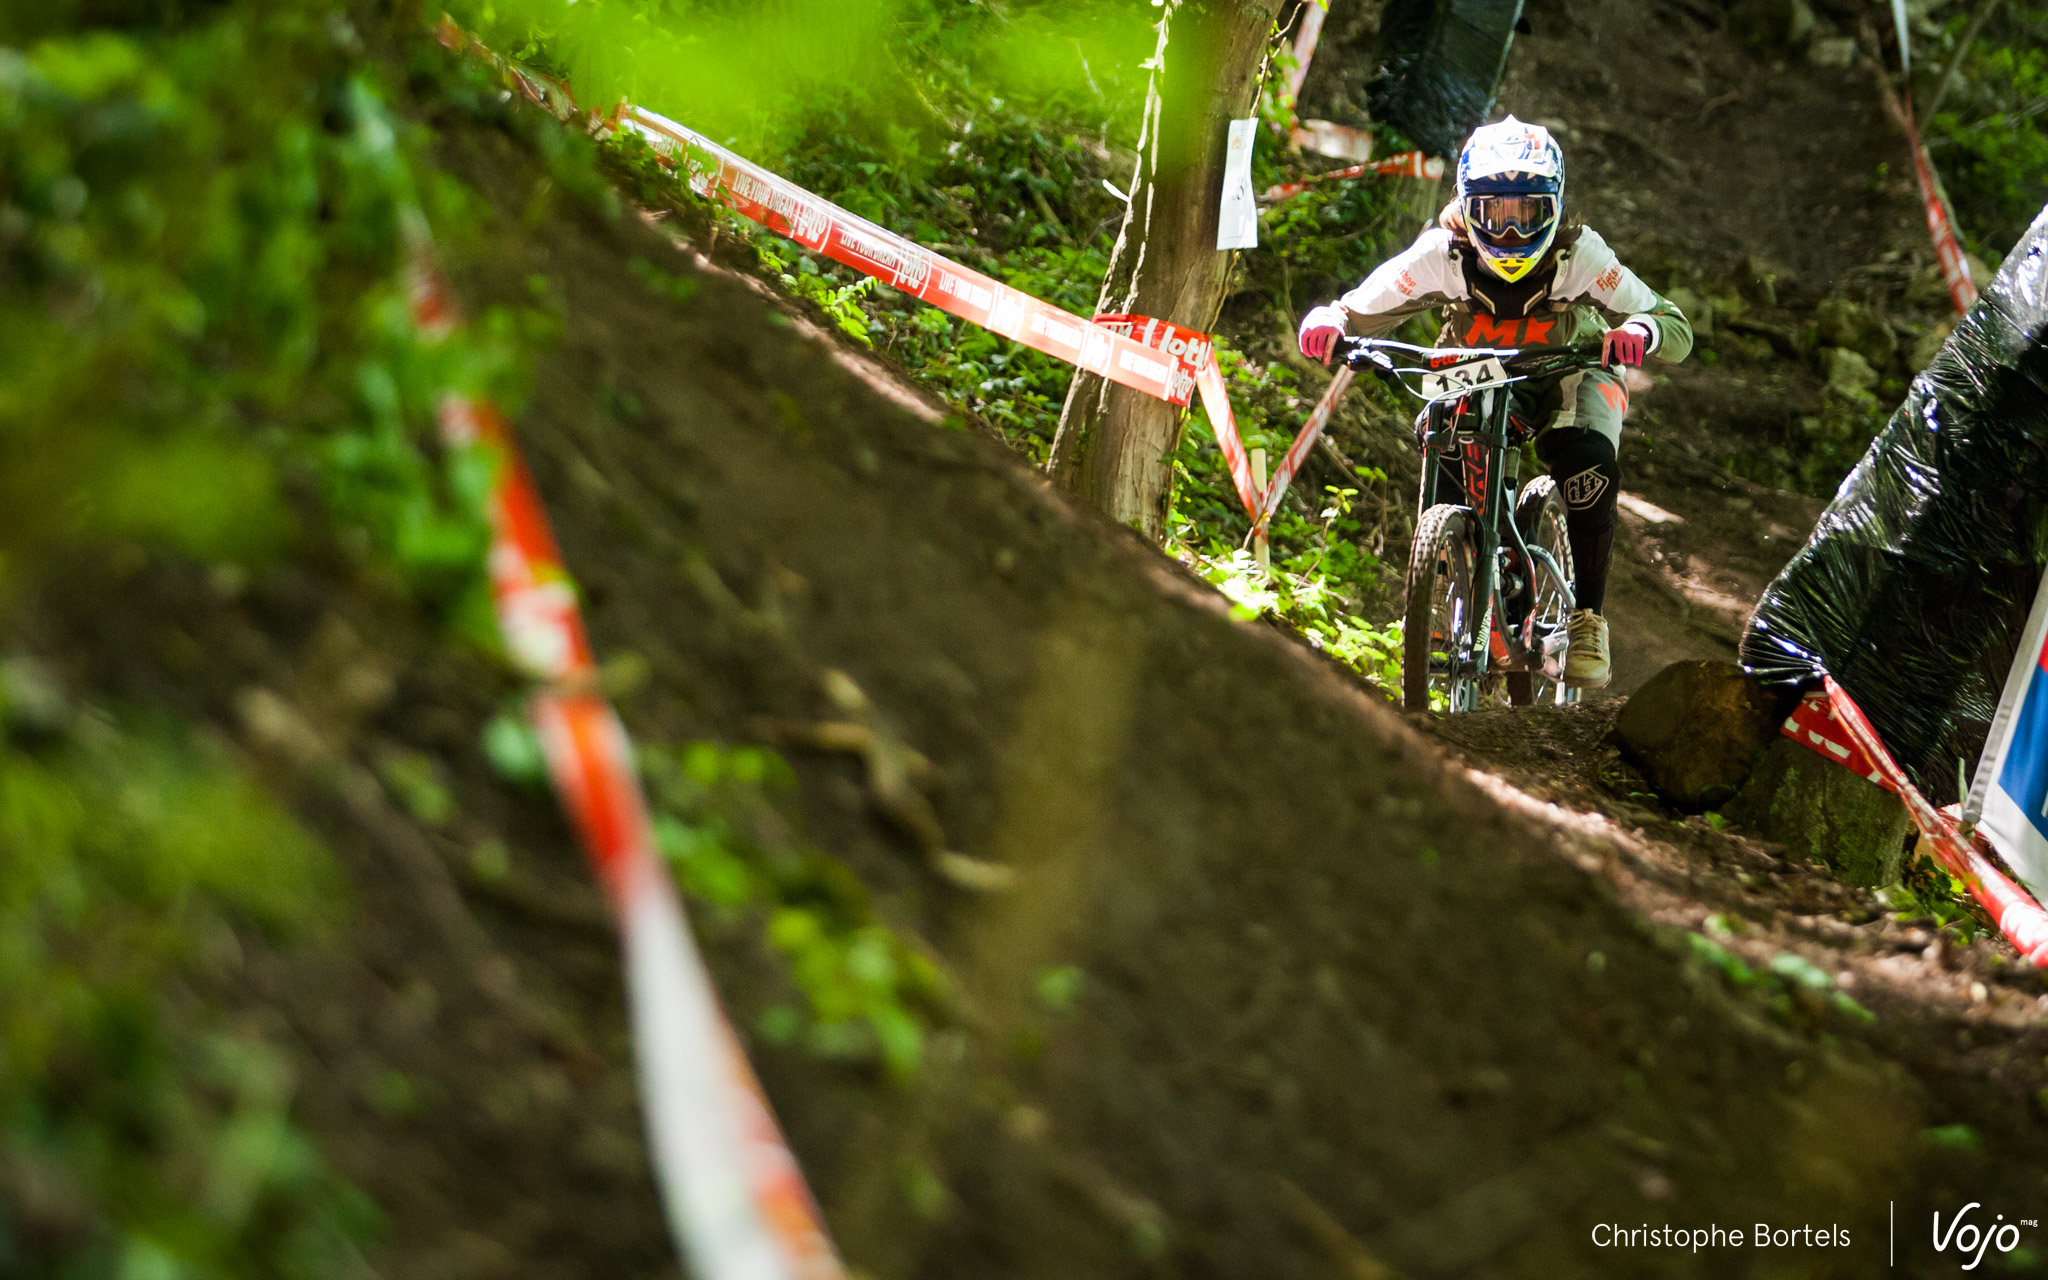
[1511, 219]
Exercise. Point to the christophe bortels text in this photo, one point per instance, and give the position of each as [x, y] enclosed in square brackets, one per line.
[1612, 1235]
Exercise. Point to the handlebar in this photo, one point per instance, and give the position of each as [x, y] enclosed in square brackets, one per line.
[1397, 361]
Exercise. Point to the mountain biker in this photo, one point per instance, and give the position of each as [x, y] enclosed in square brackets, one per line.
[1508, 271]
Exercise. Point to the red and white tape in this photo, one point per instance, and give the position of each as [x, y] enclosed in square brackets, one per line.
[1337, 141]
[1404, 164]
[1313, 14]
[1297, 453]
[1814, 725]
[1849, 739]
[733, 1193]
[1154, 356]
[1955, 268]
[821, 226]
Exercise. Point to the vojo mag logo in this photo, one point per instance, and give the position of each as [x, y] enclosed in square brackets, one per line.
[1964, 1238]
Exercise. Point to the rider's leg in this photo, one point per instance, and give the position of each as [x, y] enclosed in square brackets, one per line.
[1580, 452]
[1588, 476]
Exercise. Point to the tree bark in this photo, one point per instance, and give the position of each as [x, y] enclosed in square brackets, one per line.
[1114, 447]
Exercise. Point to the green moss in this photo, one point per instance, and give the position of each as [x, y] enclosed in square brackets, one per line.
[161, 1133]
[868, 993]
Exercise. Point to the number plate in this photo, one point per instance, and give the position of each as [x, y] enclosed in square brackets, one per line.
[1469, 376]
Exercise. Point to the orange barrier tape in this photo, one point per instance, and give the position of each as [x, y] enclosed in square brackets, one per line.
[1955, 268]
[1313, 14]
[1216, 404]
[1297, 453]
[2017, 915]
[1190, 348]
[821, 226]
[1127, 349]
[1404, 164]
[1328, 138]
[734, 1195]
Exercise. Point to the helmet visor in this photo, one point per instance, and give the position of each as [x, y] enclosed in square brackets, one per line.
[1511, 220]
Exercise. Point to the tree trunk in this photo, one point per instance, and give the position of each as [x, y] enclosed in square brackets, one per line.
[1115, 445]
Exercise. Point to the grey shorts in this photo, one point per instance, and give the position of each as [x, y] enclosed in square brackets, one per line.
[1596, 399]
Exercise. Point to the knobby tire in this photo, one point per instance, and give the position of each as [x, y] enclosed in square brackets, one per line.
[1540, 513]
[1443, 548]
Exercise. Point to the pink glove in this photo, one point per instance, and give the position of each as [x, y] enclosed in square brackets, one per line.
[1626, 345]
[1320, 329]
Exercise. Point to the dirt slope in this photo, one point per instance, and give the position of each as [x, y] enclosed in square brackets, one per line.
[1759, 184]
[1345, 1006]
[1339, 1001]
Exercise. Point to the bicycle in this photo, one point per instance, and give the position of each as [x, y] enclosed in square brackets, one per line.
[1487, 599]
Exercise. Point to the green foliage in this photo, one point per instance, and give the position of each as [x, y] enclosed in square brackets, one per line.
[514, 750]
[159, 1137]
[1325, 240]
[206, 346]
[868, 993]
[991, 146]
[1959, 1138]
[799, 273]
[204, 315]
[1990, 145]
[757, 75]
[1325, 572]
[984, 136]
[1926, 891]
[1788, 985]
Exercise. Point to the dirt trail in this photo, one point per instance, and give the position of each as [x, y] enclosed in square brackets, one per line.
[1710, 165]
[1347, 1005]
[1705, 162]
[1340, 1002]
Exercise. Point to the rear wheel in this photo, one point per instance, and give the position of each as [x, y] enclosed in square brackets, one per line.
[1444, 622]
[1540, 515]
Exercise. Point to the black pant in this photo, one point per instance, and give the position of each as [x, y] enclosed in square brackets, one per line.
[1588, 477]
[1582, 464]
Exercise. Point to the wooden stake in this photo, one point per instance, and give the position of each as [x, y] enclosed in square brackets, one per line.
[1261, 551]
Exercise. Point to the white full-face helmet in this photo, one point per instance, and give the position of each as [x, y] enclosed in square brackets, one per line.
[1511, 193]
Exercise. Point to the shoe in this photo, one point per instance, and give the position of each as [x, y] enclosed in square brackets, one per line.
[1586, 665]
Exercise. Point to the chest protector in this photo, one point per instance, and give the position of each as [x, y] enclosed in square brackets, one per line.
[1517, 300]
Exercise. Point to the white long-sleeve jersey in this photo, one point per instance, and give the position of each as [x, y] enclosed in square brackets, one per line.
[1581, 293]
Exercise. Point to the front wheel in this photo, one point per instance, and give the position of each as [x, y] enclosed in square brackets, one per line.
[1540, 514]
[1445, 622]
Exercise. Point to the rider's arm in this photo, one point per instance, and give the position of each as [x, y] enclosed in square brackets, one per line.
[1592, 272]
[1418, 278]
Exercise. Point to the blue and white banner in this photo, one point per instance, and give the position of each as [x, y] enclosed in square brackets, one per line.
[2008, 799]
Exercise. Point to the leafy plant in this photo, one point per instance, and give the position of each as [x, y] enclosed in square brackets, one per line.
[159, 1135]
[867, 992]
[1927, 891]
[1991, 148]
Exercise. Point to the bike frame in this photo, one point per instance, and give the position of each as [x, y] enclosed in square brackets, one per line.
[1492, 498]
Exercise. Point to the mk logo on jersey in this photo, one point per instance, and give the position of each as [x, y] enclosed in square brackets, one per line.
[1487, 331]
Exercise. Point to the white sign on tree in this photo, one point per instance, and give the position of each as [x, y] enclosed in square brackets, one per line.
[1238, 226]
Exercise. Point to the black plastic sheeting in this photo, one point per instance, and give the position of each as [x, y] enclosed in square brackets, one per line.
[1439, 63]
[1916, 583]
